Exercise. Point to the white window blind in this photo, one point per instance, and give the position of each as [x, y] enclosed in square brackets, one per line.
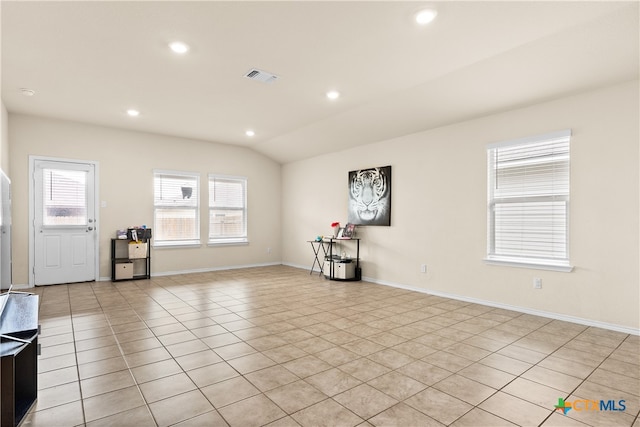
[227, 209]
[529, 200]
[65, 197]
[176, 208]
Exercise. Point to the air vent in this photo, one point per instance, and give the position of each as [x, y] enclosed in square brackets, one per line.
[261, 76]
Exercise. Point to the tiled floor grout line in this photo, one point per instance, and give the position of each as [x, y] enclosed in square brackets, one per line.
[546, 357]
[75, 348]
[452, 373]
[478, 361]
[586, 377]
[494, 352]
[239, 373]
[254, 302]
[582, 381]
[124, 357]
[328, 397]
[514, 343]
[173, 358]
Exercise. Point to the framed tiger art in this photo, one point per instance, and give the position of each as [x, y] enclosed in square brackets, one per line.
[370, 196]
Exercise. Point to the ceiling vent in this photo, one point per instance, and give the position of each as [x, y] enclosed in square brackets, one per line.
[261, 76]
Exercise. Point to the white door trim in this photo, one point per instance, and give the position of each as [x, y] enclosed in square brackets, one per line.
[32, 231]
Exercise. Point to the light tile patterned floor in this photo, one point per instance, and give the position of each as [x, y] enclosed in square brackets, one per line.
[277, 346]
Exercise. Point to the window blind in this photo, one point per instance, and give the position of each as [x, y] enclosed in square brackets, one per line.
[65, 197]
[174, 189]
[227, 209]
[529, 199]
[176, 207]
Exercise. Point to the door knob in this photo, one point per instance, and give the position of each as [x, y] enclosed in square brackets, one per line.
[90, 228]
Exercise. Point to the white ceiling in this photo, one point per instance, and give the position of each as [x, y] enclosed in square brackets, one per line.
[91, 61]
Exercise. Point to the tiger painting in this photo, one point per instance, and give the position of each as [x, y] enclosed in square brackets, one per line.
[370, 196]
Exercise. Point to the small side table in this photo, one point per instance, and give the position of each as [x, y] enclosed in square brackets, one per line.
[316, 246]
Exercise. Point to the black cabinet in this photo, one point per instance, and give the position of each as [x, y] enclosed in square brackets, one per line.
[18, 355]
[131, 259]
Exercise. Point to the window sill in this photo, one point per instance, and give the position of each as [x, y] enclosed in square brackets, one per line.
[533, 263]
[173, 245]
[230, 242]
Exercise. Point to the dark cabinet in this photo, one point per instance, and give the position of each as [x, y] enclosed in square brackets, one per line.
[18, 355]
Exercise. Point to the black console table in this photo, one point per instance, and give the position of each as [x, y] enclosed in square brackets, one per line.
[18, 355]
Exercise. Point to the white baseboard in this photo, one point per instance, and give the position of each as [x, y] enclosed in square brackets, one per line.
[16, 287]
[541, 313]
[203, 270]
[301, 267]
[210, 269]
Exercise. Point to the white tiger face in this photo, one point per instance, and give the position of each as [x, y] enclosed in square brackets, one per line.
[368, 196]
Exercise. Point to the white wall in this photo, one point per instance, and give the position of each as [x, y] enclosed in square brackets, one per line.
[439, 210]
[126, 161]
[4, 140]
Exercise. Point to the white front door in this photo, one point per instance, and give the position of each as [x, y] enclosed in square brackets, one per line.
[64, 222]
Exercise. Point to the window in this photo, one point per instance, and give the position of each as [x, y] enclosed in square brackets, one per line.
[529, 202]
[227, 209]
[65, 197]
[176, 208]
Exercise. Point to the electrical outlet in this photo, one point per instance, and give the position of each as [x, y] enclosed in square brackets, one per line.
[268, 250]
[537, 283]
[423, 268]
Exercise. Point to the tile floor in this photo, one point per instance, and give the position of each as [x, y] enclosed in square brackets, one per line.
[277, 346]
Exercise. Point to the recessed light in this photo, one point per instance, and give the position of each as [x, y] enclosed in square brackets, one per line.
[133, 113]
[250, 133]
[27, 92]
[425, 16]
[333, 94]
[179, 47]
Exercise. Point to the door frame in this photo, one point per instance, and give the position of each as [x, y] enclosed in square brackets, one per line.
[32, 213]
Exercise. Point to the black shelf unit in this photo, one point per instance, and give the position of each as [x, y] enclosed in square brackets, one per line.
[336, 259]
[121, 261]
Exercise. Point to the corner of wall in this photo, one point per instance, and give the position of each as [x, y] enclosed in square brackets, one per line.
[4, 142]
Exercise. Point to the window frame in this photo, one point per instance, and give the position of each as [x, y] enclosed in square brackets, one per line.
[186, 242]
[234, 240]
[525, 197]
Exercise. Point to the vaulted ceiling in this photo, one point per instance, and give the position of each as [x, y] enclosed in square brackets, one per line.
[91, 61]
